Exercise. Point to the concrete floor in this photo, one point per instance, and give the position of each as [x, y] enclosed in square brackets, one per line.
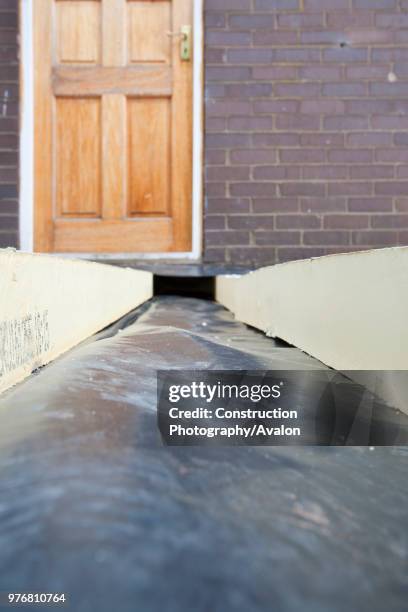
[93, 505]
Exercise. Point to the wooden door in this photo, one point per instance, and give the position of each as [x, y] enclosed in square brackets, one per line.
[113, 126]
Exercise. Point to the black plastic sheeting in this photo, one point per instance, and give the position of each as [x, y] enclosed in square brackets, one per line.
[93, 505]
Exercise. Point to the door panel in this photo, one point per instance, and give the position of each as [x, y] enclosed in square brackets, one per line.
[113, 142]
[149, 156]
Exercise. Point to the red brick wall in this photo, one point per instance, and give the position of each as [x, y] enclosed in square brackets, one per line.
[9, 109]
[306, 127]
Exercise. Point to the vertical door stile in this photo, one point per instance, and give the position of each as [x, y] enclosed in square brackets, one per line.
[43, 142]
[113, 126]
[181, 133]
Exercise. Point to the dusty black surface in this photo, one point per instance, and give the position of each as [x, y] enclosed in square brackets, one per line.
[92, 504]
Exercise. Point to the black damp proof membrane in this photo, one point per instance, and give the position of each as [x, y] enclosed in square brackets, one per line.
[94, 505]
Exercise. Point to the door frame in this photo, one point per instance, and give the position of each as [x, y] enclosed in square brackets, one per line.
[26, 207]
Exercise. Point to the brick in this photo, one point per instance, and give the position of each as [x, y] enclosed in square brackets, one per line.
[220, 237]
[245, 91]
[297, 253]
[250, 124]
[216, 189]
[298, 90]
[297, 122]
[267, 205]
[389, 89]
[299, 56]
[328, 172]
[372, 172]
[321, 37]
[276, 106]
[374, 4]
[367, 72]
[226, 5]
[344, 90]
[8, 191]
[370, 204]
[214, 222]
[322, 107]
[392, 155]
[370, 37]
[214, 157]
[345, 123]
[320, 139]
[252, 22]
[274, 5]
[214, 90]
[298, 221]
[227, 205]
[8, 54]
[276, 140]
[326, 237]
[400, 139]
[253, 222]
[275, 173]
[321, 73]
[267, 238]
[9, 141]
[376, 107]
[9, 207]
[228, 73]
[8, 5]
[9, 175]
[392, 188]
[249, 56]
[297, 21]
[214, 19]
[225, 108]
[227, 173]
[274, 73]
[222, 141]
[8, 37]
[401, 205]
[215, 255]
[351, 19]
[9, 239]
[9, 222]
[297, 156]
[383, 122]
[347, 188]
[389, 221]
[215, 124]
[253, 189]
[345, 55]
[369, 139]
[253, 156]
[214, 56]
[274, 38]
[376, 238]
[402, 172]
[222, 38]
[252, 255]
[302, 189]
[316, 5]
[350, 155]
[346, 221]
[322, 205]
[9, 20]
[391, 20]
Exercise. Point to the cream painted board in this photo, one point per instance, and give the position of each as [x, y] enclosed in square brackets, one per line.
[349, 311]
[50, 304]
